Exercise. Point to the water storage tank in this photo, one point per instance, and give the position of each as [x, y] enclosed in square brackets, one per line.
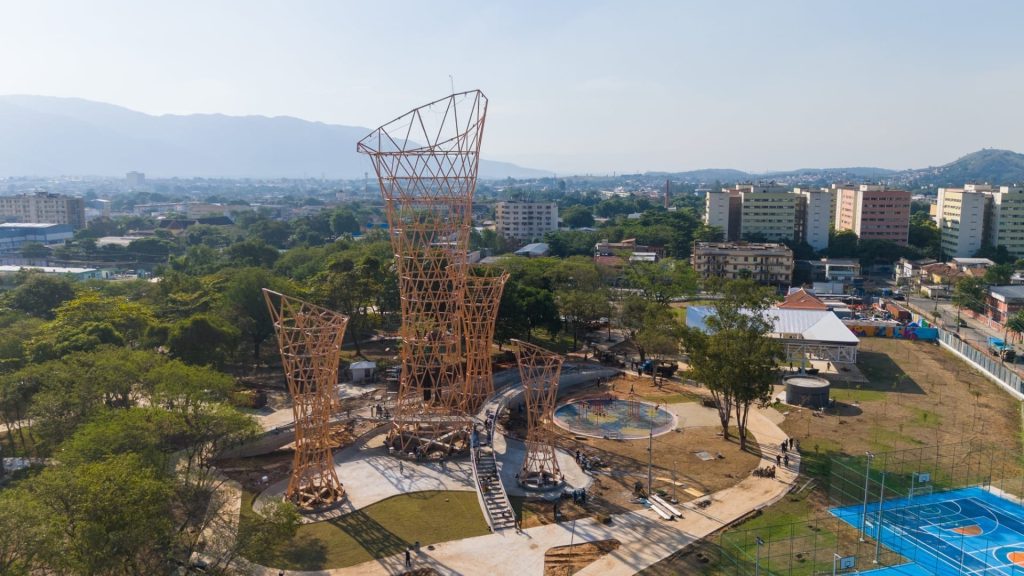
[808, 391]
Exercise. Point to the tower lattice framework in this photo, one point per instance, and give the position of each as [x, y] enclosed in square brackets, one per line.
[539, 370]
[309, 338]
[483, 296]
[426, 163]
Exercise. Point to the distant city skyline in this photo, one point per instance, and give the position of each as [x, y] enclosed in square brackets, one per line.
[575, 87]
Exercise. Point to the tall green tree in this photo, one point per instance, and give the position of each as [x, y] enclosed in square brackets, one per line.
[23, 533]
[41, 294]
[661, 281]
[91, 320]
[203, 340]
[110, 517]
[524, 309]
[240, 302]
[252, 252]
[581, 308]
[999, 274]
[736, 358]
[577, 216]
[352, 289]
[658, 335]
[970, 292]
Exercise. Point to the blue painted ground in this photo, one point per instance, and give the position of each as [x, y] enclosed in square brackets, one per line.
[939, 533]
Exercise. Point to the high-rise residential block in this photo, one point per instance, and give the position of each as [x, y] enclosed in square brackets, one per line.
[873, 212]
[816, 215]
[1007, 222]
[769, 212]
[722, 210]
[964, 218]
[135, 180]
[526, 221]
[43, 207]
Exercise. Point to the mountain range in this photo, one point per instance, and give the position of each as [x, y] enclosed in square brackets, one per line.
[48, 136]
[993, 166]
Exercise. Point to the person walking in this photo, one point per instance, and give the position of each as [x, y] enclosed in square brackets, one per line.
[778, 459]
[408, 557]
[785, 460]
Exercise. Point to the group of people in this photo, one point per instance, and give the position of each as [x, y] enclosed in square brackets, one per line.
[765, 472]
[579, 496]
[786, 446]
[585, 462]
[380, 411]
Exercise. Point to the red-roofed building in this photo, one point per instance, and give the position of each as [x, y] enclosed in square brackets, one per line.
[801, 299]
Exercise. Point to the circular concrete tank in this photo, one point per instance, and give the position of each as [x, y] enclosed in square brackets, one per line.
[808, 391]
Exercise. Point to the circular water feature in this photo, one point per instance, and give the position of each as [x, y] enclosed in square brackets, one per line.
[613, 418]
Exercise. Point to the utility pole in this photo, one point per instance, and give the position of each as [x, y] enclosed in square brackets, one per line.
[867, 477]
[650, 455]
[878, 528]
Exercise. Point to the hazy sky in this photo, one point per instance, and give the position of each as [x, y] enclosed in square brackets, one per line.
[580, 86]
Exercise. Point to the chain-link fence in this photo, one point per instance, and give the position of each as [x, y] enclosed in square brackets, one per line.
[861, 488]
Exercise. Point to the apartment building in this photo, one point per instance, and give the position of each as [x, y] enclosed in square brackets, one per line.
[964, 218]
[765, 263]
[815, 215]
[980, 214]
[769, 212]
[44, 208]
[722, 210]
[135, 180]
[1007, 221]
[526, 221]
[873, 212]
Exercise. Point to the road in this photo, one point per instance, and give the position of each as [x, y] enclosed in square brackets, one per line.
[975, 332]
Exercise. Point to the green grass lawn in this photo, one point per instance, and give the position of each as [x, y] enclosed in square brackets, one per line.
[381, 529]
[796, 544]
[855, 394]
[671, 398]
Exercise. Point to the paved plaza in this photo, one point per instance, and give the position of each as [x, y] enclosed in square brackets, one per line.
[645, 538]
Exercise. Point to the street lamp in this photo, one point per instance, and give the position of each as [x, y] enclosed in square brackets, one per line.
[867, 477]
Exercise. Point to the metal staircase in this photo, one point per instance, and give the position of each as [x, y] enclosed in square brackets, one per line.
[500, 515]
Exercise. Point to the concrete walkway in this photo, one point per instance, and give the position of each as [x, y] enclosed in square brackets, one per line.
[645, 538]
[371, 475]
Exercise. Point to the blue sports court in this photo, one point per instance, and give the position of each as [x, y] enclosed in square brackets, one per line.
[961, 532]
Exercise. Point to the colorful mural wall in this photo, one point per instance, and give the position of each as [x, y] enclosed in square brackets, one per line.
[911, 331]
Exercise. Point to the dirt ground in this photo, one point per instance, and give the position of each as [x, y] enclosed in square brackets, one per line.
[568, 560]
[625, 461]
[918, 394]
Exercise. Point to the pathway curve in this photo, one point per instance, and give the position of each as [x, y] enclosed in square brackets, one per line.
[645, 538]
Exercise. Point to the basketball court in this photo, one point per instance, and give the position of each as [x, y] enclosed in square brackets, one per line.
[970, 531]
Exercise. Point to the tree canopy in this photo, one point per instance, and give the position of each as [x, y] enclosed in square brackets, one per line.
[736, 358]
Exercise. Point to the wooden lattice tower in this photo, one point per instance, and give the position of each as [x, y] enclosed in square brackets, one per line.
[309, 338]
[483, 295]
[426, 163]
[539, 370]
